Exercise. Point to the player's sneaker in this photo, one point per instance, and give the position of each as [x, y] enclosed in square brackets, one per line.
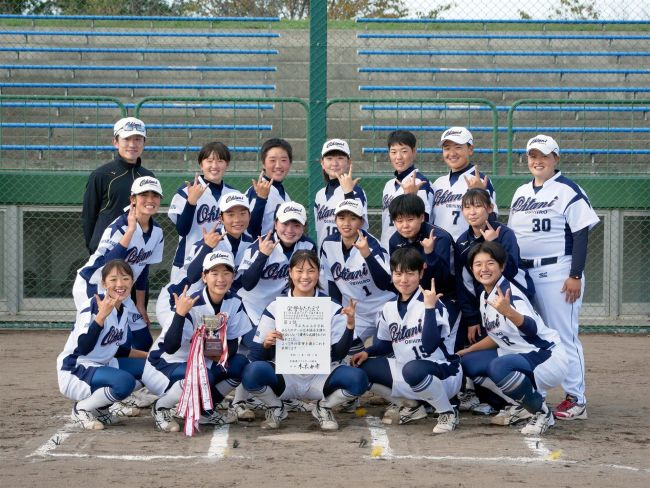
[391, 415]
[297, 406]
[218, 419]
[84, 419]
[570, 409]
[255, 404]
[411, 413]
[325, 417]
[467, 400]
[143, 398]
[106, 416]
[539, 423]
[483, 409]
[243, 412]
[350, 406]
[125, 408]
[511, 415]
[447, 421]
[223, 405]
[274, 416]
[164, 420]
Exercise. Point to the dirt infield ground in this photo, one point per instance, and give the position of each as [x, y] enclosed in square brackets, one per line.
[612, 448]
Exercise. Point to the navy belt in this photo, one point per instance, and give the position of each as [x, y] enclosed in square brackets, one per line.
[530, 263]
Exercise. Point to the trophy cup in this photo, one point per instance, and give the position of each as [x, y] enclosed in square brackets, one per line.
[212, 343]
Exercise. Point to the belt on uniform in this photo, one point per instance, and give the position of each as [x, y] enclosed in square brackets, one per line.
[530, 263]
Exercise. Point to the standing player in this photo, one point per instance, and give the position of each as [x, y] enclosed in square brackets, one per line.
[267, 193]
[195, 206]
[552, 217]
[108, 187]
[337, 171]
[401, 152]
[520, 357]
[448, 190]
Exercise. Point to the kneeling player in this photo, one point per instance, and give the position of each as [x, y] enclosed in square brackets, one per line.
[343, 384]
[413, 326]
[520, 357]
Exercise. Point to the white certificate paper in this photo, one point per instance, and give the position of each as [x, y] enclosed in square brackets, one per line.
[305, 323]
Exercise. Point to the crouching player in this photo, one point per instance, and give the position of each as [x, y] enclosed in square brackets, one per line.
[343, 384]
[520, 357]
[164, 371]
[413, 326]
[94, 368]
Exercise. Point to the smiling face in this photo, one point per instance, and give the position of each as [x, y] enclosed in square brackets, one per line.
[236, 220]
[401, 156]
[289, 232]
[455, 155]
[476, 214]
[335, 163]
[118, 284]
[276, 164]
[146, 203]
[348, 224]
[213, 168]
[406, 281]
[304, 278]
[486, 270]
[218, 280]
[542, 166]
[129, 148]
[408, 226]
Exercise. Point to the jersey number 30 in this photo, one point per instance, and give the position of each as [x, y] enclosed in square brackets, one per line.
[543, 225]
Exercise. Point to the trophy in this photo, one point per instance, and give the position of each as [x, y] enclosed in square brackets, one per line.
[213, 340]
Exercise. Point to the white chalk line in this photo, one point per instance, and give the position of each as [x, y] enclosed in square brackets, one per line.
[54, 441]
[219, 442]
[537, 447]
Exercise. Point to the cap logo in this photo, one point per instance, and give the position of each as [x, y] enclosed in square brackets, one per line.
[542, 141]
[334, 143]
[230, 198]
[292, 209]
[452, 133]
[218, 256]
[148, 182]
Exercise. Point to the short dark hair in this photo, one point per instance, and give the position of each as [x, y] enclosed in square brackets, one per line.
[303, 256]
[406, 259]
[276, 142]
[215, 147]
[118, 264]
[406, 204]
[476, 196]
[404, 137]
[494, 249]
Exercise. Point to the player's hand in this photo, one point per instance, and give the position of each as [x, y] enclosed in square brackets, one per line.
[347, 182]
[473, 333]
[410, 184]
[489, 234]
[362, 244]
[145, 315]
[184, 303]
[462, 352]
[502, 301]
[212, 238]
[349, 311]
[571, 289]
[131, 220]
[358, 359]
[272, 338]
[262, 186]
[194, 190]
[430, 296]
[267, 245]
[104, 307]
[428, 243]
[475, 181]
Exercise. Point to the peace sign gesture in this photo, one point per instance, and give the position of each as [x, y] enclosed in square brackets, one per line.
[212, 238]
[104, 307]
[502, 301]
[346, 181]
[194, 190]
[184, 303]
[476, 181]
[362, 244]
[262, 186]
[489, 234]
[410, 184]
[430, 296]
[349, 311]
[428, 243]
[266, 245]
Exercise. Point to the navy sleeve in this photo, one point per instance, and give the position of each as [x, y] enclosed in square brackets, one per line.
[117, 252]
[185, 219]
[251, 277]
[439, 266]
[509, 243]
[123, 352]
[339, 350]
[579, 251]
[258, 353]
[379, 275]
[233, 346]
[86, 342]
[174, 335]
[142, 283]
[195, 268]
[529, 327]
[430, 331]
[257, 216]
[91, 205]
[334, 292]
[381, 348]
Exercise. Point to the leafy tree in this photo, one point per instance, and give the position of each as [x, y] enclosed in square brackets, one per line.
[435, 13]
[349, 9]
[577, 10]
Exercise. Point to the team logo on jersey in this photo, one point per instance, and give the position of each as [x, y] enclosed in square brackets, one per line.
[524, 204]
[207, 213]
[324, 213]
[113, 335]
[491, 324]
[136, 256]
[136, 317]
[400, 334]
[341, 273]
[386, 202]
[446, 196]
[275, 271]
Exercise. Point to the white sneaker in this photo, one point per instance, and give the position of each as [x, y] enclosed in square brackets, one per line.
[447, 421]
[511, 415]
[392, 414]
[539, 423]
[255, 404]
[125, 408]
[84, 419]
[468, 400]
[325, 417]
[106, 416]
[243, 412]
[297, 406]
[274, 416]
[164, 420]
[143, 398]
[217, 418]
[483, 409]
[223, 405]
[408, 414]
[350, 406]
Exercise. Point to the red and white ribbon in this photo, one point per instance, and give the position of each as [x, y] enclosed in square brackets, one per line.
[223, 359]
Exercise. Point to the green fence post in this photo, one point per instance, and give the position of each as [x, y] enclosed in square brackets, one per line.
[316, 119]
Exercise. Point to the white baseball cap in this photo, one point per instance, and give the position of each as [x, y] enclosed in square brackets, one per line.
[352, 205]
[146, 183]
[545, 144]
[291, 211]
[335, 145]
[459, 135]
[218, 257]
[129, 126]
[233, 199]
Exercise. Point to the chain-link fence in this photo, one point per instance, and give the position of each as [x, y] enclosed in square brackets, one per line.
[239, 72]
